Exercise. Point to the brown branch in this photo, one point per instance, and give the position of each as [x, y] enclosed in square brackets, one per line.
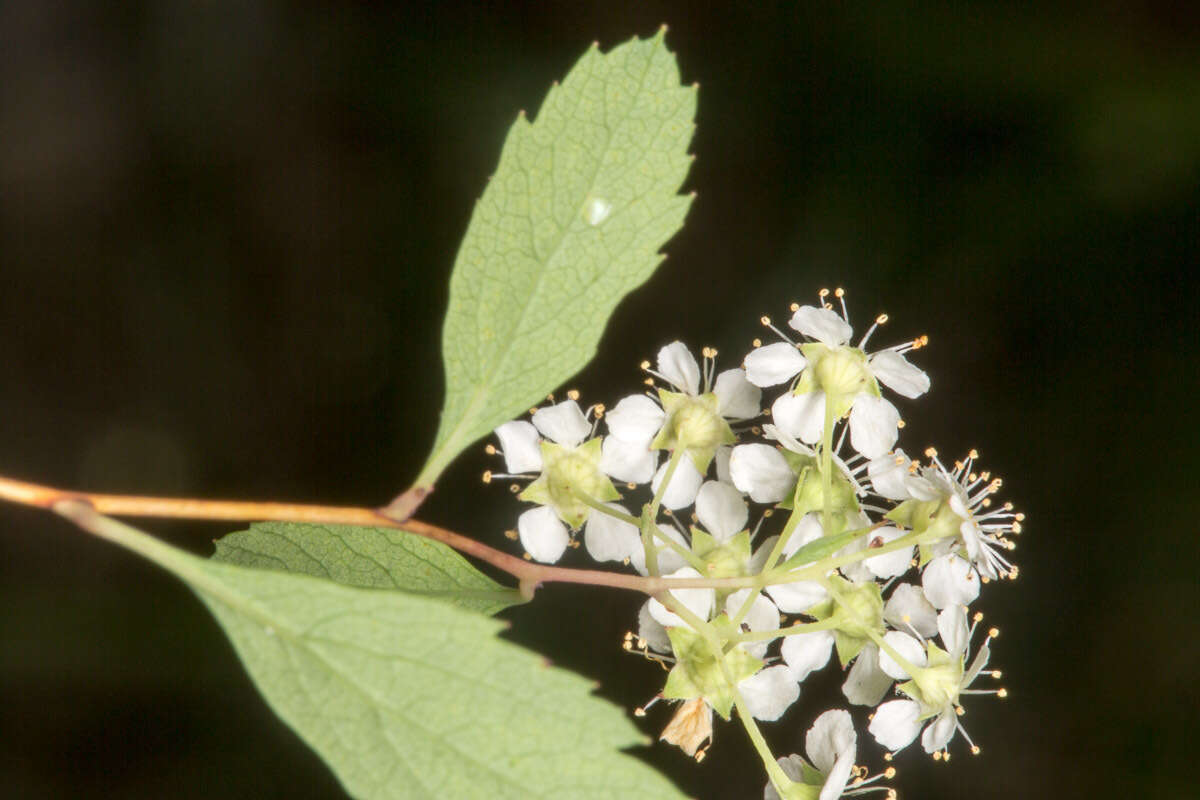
[529, 574]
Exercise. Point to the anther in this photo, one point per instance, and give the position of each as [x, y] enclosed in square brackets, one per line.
[550, 397]
[823, 294]
[839, 292]
[644, 365]
[794, 307]
[572, 394]
[996, 674]
[765, 320]
[639, 712]
[993, 633]
[757, 343]
[649, 381]
[889, 773]
[975, 750]
[977, 617]
[899, 423]
[881, 319]
[511, 534]
[1003, 693]
[490, 449]
[514, 488]
[487, 476]
[930, 452]
[528, 557]
[973, 453]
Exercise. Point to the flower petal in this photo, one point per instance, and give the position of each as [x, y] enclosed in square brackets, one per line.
[685, 483]
[721, 510]
[952, 627]
[874, 425]
[762, 472]
[805, 652]
[823, 324]
[563, 423]
[908, 607]
[635, 418]
[521, 446]
[838, 777]
[543, 534]
[769, 692]
[608, 538]
[773, 364]
[630, 462]
[721, 459]
[908, 647]
[889, 474]
[950, 581]
[807, 530]
[737, 398]
[893, 371]
[896, 724]
[939, 733]
[800, 415]
[831, 736]
[698, 601]
[888, 565]
[650, 631]
[762, 616]
[793, 767]
[677, 364]
[866, 684]
[798, 597]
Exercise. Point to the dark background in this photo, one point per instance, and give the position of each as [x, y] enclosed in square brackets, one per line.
[225, 235]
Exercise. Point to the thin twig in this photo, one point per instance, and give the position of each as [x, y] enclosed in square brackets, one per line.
[529, 575]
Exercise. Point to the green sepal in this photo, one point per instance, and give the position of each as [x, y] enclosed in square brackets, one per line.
[860, 612]
[698, 673]
[847, 646]
[915, 515]
[841, 372]
[565, 468]
[694, 424]
[724, 560]
[809, 494]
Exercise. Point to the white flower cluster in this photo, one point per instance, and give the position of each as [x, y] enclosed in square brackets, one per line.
[878, 556]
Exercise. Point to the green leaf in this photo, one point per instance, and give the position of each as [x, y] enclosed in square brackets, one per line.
[570, 223]
[822, 548]
[367, 558]
[406, 697]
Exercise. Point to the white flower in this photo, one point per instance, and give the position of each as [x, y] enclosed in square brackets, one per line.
[831, 744]
[693, 419]
[556, 445]
[935, 689]
[829, 367]
[965, 515]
